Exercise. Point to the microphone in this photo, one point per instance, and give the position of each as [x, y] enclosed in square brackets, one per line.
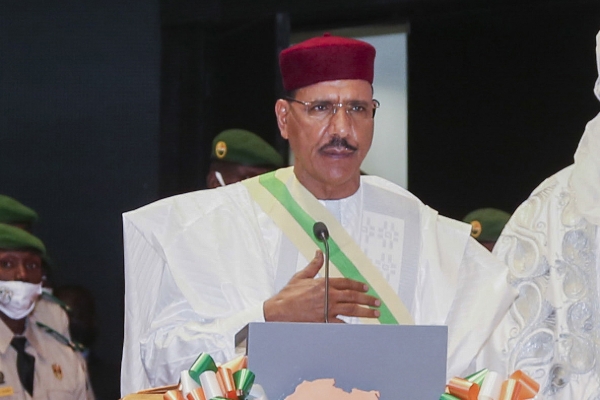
[320, 231]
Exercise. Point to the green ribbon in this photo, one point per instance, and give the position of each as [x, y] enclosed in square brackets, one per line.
[280, 191]
[448, 396]
[244, 379]
[203, 363]
[478, 377]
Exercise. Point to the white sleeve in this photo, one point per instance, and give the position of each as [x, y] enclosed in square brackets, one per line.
[482, 299]
[143, 269]
[188, 289]
[461, 285]
[178, 334]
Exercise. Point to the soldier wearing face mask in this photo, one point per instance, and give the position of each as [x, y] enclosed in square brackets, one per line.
[35, 362]
[48, 309]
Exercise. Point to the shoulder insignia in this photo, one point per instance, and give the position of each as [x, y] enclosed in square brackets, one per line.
[53, 299]
[62, 339]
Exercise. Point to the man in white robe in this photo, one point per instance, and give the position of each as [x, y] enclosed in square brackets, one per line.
[552, 331]
[200, 266]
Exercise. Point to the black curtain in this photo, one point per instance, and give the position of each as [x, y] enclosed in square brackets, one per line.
[216, 77]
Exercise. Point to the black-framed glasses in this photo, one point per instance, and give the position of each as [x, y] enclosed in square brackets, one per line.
[322, 110]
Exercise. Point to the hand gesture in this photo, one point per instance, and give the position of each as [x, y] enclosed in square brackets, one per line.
[303, 298]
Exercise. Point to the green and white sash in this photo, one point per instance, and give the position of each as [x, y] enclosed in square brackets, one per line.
[295, 210]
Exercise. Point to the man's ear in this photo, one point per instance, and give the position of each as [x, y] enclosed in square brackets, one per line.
[281, 112]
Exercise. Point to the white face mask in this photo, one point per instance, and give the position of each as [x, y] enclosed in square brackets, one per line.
[17, 298]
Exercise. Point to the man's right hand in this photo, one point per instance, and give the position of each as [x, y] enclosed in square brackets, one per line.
[303, 298]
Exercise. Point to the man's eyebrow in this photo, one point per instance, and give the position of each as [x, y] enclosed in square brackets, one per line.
[338, 101]
[358, 101]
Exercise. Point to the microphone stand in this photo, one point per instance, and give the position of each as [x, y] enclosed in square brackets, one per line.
[326, 242]
[320, 231]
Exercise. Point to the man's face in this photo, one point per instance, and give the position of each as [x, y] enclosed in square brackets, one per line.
[328, 152]
[16, 265]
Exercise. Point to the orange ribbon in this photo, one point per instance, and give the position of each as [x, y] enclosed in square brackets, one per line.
[519, 386]
[226, 382]
[236, 364]
[463, 389]
[225, 379]
[196, 394]
[174, 394]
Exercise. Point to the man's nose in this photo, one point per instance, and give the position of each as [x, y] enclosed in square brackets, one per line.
[340, 122]
[21, 272]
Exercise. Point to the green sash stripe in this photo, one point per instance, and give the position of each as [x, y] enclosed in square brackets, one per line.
[280, 191]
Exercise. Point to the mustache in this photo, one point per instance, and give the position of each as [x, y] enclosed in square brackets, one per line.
[337, 142]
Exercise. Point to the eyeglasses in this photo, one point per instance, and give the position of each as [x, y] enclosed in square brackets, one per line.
[323, 110]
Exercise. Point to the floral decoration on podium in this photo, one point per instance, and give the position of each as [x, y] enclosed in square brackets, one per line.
[487, 385]
[207, 381]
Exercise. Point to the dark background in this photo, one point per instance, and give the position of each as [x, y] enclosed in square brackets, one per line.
[108, 105]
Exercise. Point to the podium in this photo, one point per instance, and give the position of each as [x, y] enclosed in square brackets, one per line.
[401, 362]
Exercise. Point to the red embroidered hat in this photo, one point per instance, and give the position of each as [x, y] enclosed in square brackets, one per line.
[326, 58]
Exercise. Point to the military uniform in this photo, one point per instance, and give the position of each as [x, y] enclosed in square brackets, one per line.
[52, 315]
[244, 147]
[487, 223]
[12, 212]
[48, 309]
[59, 372]
[55, 317]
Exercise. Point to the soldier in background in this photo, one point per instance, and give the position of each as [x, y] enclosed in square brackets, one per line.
[487, 225]
[49, 310]
[238, 154]
[36, 361]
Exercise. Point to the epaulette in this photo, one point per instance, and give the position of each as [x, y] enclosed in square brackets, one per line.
[53, 299]
[62, 339]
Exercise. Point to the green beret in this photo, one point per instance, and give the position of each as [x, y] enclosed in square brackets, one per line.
[13, 238]
[244, 147]
[11, 211]
[487, 223]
